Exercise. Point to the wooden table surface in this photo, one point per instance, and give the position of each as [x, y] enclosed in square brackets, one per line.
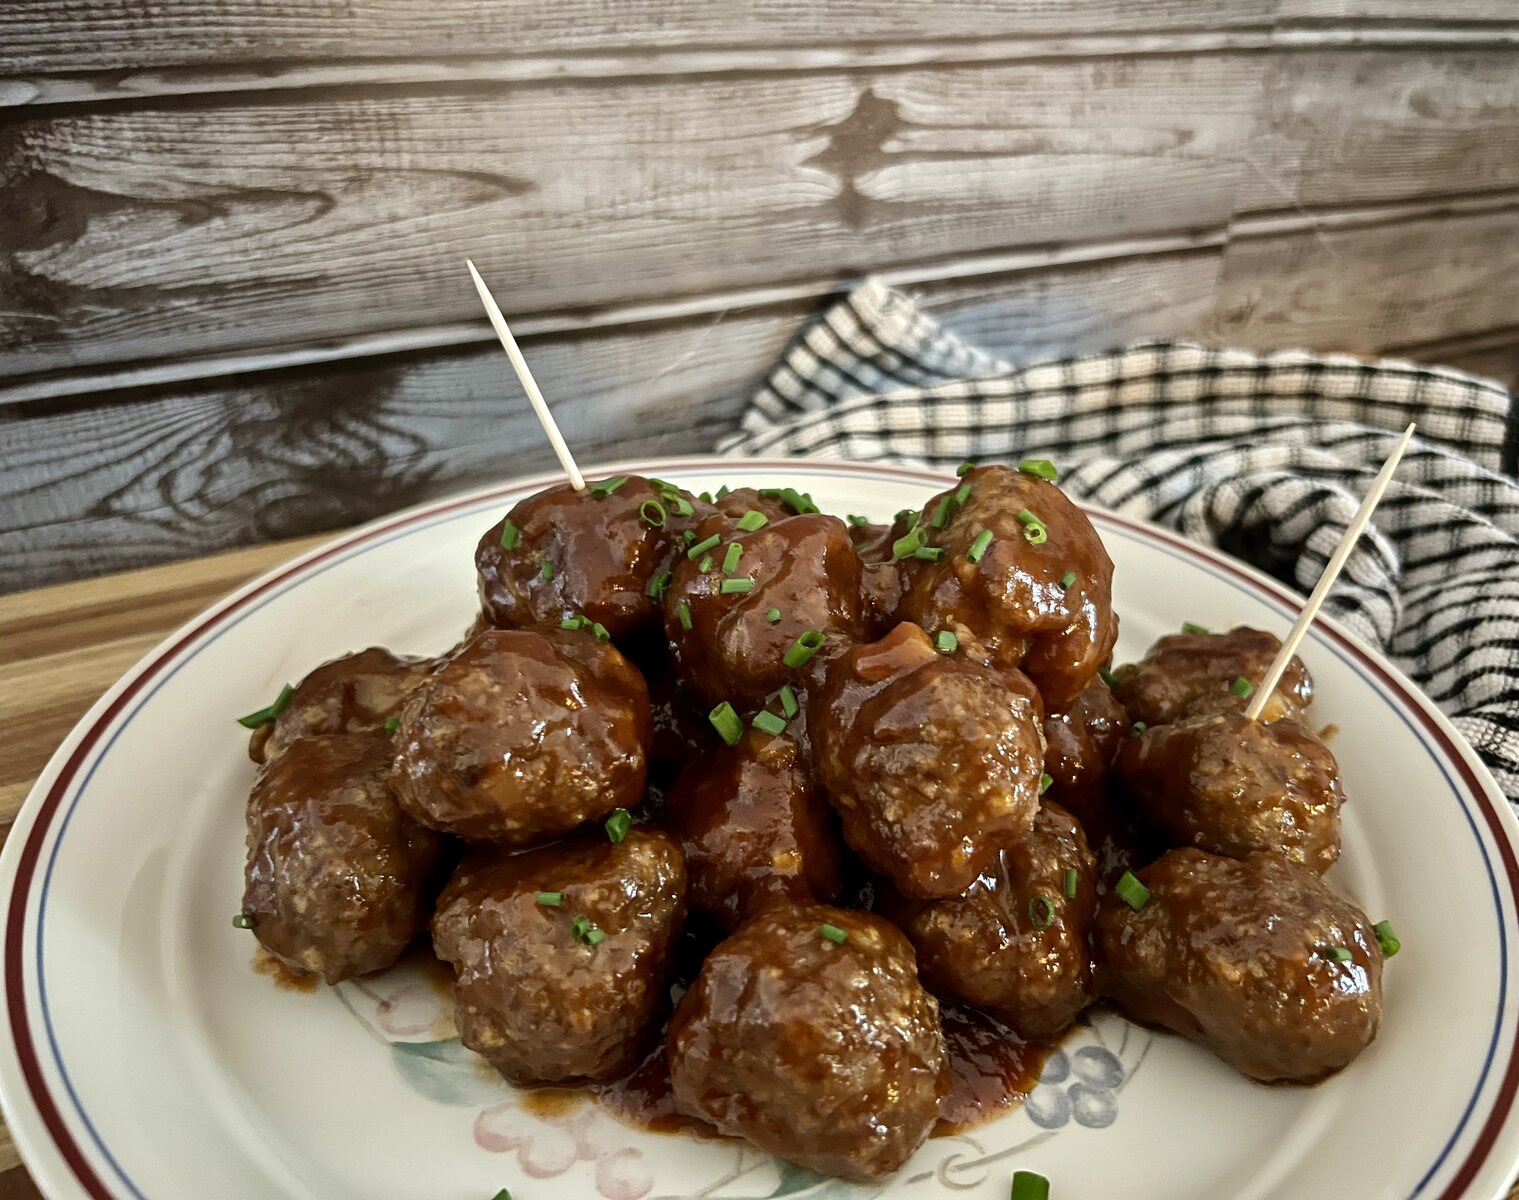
[61, 647]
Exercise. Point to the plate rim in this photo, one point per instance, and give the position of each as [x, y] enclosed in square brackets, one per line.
[32, 1112]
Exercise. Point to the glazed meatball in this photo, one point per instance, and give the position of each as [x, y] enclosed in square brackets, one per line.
[1230, 785]
[1257, 960]
[1186, 672]
[754, 827]
[560, 554]
[357, 693]
[1038, 595]
[803, 577]
[827, 1053]
[338, 876]
[739, 502]
[563, 955]
[522, 736]
[932, 760]
[1015, 943]
[1081, 744]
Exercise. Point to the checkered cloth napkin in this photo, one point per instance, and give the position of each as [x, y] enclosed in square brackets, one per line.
[1265, 456]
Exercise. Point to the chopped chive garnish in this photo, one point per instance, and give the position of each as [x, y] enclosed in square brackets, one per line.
[582, 930]
[688, 535]
[1046, 782]
[547, 570]
[574, 622]
[1066, 580]
[593, 936]
[704, 497]
[1387, 939]
[962, 495]
[722, 491]
[804, 648]
[769, 722]
[393, 724]
[725, 720]
[1041, 468]
[929, 553]
[1034, 531]
[773, 615]
[1241, 687]
[701, 547]
[1336, 954]
[683, 614]
[735, 587]
[1027, 1186]
[663, 486]
[1107, 676]
[682, 505]
[658, 585]
[942, 511]
[705, 564]
[752, 520]
[618, 824]
[551, 899]
[857, 520]
[1137, 729]
[902, 514]
[965, 468]
[1071, 881]
[945, 641]
[264, 715]
[653, 513]
[907, 545]
[789, 706]
[834, 934]
[978, 547]
[730, 559]
[799, 502]
[242, 921]
[771, 493]
[1188, 627]
[1041, 912]
[503, 1194]
[599, 632]
[509, 535]
[607, 486]
[1131, 891]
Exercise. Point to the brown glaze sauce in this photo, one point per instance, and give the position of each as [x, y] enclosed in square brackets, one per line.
[285, 979]
[551, 1102]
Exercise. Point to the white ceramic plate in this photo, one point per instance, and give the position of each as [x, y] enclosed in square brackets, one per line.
[147, 1059]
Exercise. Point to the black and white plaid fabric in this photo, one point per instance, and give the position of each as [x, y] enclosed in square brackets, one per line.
[1265, 456]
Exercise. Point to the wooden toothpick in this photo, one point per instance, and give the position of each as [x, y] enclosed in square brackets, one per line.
[529, 384]
[1326, 580]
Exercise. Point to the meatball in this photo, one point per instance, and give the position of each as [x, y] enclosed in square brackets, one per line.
[803, 578]
[1036, 595]
[1015, 943]
[357, 693]
[523, 735]
[1186, 672]
[338, 876]
[754, 827]
[596, 554]
[1080, 746]
[739, 502]
[1224, 783]
[1257, 960]
[932, 760]
[564, 954]
[824, 1052]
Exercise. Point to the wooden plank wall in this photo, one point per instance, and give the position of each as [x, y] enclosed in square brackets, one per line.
[231, 232]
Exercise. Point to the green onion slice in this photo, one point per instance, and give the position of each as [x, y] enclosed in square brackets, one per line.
[1046, 782]
[857, 520]
[907, 545]
[1131, 891]
[945, 641]
[509, 535]
[618, 824]
[607, 486]
[769, 722]
[1241, 687]
[593, 936]
[943, 511]
[725, 720]
[978, 547]
[735, 587]
[701, 547]
[574, 622]
[789, 706]
[804, 648]
[1027, 1186]
[723, 491]
[773, 615]
[1035, 532]
[1066, 580]
[1336, 953]
[965, 468]
[1070, 882]
[264, 715]
[752, 520]
[683, 614]
[1041, 912]
[1188, 627]
[834, 934]
[658, 585]
[1041, 468]
[730, 559]
[503, 1194]
[393, 724]
[599, 632]
[547, 570]
[242, 921]
[688, 536]
[1107, 677]
[929, 553]
[1137, 729]
[800, 503]
[551, 899]
[653, 513]
[705, 565]
[1387, 939]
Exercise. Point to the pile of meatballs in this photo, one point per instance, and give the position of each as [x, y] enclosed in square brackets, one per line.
[801, 777]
